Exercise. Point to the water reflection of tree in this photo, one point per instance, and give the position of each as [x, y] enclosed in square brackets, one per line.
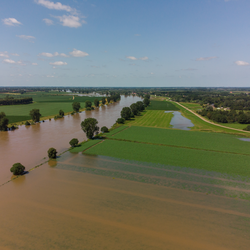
[18, 180]
[52, 163]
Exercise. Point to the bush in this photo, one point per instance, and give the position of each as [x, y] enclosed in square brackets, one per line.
[88, 108]
[61, 113]
[52, 153]
[104, 129]
[27, 123]
[247, 128]
[73, 142]
[17, 169]
[120, 121]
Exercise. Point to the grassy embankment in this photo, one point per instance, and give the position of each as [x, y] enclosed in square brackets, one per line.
[49, 105]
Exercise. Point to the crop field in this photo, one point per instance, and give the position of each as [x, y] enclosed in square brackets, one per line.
[161, 105]
[152, 118]
[182, 138]
[83, 146]
[192, 106]
[179, 157]
[48, 104]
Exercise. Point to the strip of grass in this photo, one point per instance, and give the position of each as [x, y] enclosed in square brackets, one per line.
[183, 138]
[152, 118]
[162, 105]
[227, 163]
[83, 146]
[117, 130]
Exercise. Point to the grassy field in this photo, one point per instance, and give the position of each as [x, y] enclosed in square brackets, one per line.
[161, 105]
[83, 146]
[152, 118]
[192, 106]
[49, 104]
[182, 138]
[182, 157]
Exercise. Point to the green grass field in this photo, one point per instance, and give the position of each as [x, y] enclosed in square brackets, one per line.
[49, 104]
[83, 146]
[232, 164]
[192, 106]
[161, 105]
[183, 138]
[152, 118]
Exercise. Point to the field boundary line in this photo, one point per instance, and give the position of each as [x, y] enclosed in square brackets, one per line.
[205, 120]
[92, 146]
[121, 130]
[175, 146]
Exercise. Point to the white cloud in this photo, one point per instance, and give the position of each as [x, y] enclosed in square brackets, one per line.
[78, 53]
[59, 63]
[54, 6]
[14, 54]
[134, 58]
[205, 58]
[34, 64]
[11, 21]
[48, 21]
[70, 21]
[4, 54]
[24, 37]
[241, 63]
[131, 57]
[52, 55]
[13, 62]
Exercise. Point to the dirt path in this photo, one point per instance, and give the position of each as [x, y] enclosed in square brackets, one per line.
[209, 121]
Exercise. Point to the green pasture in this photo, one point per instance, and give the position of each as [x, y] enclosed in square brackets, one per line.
[152, 118]
[227, 163]
[182, 138]
[117, 130]
[162, 105]
[49, 104]
[192, 106]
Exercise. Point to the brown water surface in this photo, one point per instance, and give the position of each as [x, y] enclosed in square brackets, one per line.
[29, 144]
[55, 208]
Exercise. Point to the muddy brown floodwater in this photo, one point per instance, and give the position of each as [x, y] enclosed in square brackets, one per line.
[29, 144]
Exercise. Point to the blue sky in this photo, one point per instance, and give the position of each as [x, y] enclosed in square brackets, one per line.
[142, 43]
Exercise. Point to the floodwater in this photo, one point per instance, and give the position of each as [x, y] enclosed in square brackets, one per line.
[89, 202]
[29, 144]
[244, 139]
[180, 122]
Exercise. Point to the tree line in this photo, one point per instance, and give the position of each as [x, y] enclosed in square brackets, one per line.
[12, 101]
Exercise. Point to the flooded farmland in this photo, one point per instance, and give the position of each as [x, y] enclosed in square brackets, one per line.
[90, 202]
[84, 201]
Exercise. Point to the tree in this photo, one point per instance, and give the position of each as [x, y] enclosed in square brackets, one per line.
[147, 96]
[35, 115]
[73, 142]
[96, 102]
[3, 122]
[126, 113]
[103, 100]
[108, 99]
[140, 105]
[104, 129]
[52, 153]
[17, 169]
[146, 101]
[76, 106]
[61, 113]
[89, 126]
[120, 121]
[134, 108]
[88, 104]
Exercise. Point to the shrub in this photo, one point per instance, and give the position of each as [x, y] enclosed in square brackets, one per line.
[61, 113]
[88, 108]
[52, 153]
[73, 142]
[104, 129]
[247, 128]
[17, 169]
[27, 123]
[120, 120]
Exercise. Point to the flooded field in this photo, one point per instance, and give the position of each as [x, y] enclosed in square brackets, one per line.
[92, 202]
[29, 144]
[179, 121]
